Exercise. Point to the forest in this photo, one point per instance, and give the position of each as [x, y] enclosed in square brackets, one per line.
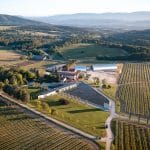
[44, 40]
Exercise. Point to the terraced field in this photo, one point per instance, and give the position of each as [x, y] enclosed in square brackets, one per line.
[20, 131]
[130, 136]
[134, 89]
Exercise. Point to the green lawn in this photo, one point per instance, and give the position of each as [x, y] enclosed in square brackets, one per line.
[81, 116]
[84, 51]
[112, 94]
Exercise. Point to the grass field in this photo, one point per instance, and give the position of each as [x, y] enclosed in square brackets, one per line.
[6, 27]
[19, 131]
[111, 92]
[8, 57]
[39, 64]
[89, 51]
[81, 116]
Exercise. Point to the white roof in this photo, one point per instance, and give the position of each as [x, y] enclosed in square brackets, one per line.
[104, 66]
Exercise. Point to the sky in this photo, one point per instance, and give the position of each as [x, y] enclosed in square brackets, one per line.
[53, 7]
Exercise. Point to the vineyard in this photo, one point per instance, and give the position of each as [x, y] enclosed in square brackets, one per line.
[129, 136]
[20, 131]
[134, 90]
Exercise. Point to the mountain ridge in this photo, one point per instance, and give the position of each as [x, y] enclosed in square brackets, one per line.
[140, 20]
[18, 21]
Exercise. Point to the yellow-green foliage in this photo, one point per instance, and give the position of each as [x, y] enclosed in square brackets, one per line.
[79, 115]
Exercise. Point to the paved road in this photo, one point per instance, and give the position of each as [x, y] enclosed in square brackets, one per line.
[112, 109]
[110, 137]
[51, 119]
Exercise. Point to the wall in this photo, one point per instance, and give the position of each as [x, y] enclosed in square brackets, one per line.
[60, 89]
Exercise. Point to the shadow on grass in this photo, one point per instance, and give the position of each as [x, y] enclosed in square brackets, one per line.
[54, 103]
[83, 110]
[101, 127]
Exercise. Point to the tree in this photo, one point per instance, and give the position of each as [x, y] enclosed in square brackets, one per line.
[104, 86]
[30, 76]
[63, 101]
[25, 96]
[96, 80]
[1, 85]
[53, 111]
[19, 78]
[104, 82]
[45, 106]
[9, 89]
[13, 80]
[37, 104]
[109, 87]
[6, 81]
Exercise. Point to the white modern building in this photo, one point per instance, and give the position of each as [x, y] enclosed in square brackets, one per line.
[59, 89]
[99, 67]
[55, 67]
[80, 68]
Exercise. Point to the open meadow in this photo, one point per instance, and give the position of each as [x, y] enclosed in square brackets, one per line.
[8, 58]
[89, 52]
[2, 28]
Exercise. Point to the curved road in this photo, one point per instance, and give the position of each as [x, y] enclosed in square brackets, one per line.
[110, 137]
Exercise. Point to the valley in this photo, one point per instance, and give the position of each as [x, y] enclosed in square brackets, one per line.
[74, 87]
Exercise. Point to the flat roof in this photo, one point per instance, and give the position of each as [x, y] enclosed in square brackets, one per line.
[104, 65]
[80, 68]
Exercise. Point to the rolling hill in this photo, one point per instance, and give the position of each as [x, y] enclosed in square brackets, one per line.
[17, 21]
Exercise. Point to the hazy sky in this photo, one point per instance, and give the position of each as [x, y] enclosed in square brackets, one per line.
[51, 7]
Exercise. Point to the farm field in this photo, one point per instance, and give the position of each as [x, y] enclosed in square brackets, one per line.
[134, 90]
[6, 27]
[90, 51]
[8, 57]
[130, 136]
[39, 64]
[21, 131]
[78, 115]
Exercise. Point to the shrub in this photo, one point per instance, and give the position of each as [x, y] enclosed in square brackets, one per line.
[45, 106]
[53, 111]
[63, 101]
[104, 86]
[109, 87]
